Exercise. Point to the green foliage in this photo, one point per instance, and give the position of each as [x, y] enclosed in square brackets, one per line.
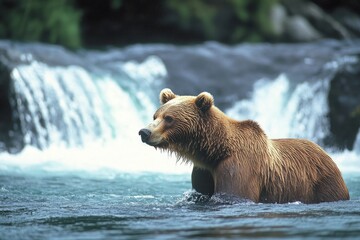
[53, 21]
[240, 9]
[225, 20]
[58, 21]
[356, 113]
[190, 11]
[116, 4]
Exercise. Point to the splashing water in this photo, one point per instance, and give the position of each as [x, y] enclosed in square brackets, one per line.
[76, 121]
[294, 111]
[282, 112]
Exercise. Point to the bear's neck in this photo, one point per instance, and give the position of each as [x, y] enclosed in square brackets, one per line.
[210, 144]
[213, 144]
[217, 138]
[226, 138]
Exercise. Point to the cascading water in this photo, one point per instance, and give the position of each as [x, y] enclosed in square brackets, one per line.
[85, 115]
[70, 106]
[284, 112]
[298, 112]
[60, 105]
[68, 112]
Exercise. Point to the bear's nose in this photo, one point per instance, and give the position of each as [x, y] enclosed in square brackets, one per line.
[145, 135]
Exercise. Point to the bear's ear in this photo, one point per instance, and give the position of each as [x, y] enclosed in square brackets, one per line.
[204, 101]
[166, 95]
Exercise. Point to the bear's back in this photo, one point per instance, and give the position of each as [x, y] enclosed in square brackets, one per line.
[301, 170]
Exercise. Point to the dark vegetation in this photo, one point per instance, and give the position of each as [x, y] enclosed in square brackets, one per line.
[83, 23]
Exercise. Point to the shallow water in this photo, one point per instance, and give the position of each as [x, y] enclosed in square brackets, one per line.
[158, 206]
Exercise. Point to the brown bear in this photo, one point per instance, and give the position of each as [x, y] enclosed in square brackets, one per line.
[237, 158]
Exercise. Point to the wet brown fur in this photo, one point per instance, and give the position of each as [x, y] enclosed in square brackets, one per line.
[241, 159]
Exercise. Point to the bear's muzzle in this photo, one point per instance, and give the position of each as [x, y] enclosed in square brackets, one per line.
[145, 135]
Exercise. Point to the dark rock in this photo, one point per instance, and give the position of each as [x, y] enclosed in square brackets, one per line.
[344, 105]
[278, 18]
[7, 123]
[349, 19]
[5, 109]
[298, 29]
[324, 23]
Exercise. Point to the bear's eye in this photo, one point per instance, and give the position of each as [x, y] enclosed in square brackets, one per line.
[168, 119]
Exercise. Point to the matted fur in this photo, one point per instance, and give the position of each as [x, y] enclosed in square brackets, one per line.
[242, 160]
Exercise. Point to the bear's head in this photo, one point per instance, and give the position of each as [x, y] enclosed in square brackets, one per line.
[181, 124]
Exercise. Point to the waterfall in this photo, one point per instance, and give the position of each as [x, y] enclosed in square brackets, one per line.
[70, 106]
[75, 120]
[299, 111]
[287, 111]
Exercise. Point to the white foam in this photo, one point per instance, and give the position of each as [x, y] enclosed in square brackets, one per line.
[283, 112]
[151, 70]
[86, 123]
[347, 161]
[94, 159]
[297, 112]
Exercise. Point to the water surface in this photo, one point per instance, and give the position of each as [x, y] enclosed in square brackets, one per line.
[158, 206]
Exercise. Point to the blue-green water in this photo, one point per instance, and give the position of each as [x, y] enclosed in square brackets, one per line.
[158, 206]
